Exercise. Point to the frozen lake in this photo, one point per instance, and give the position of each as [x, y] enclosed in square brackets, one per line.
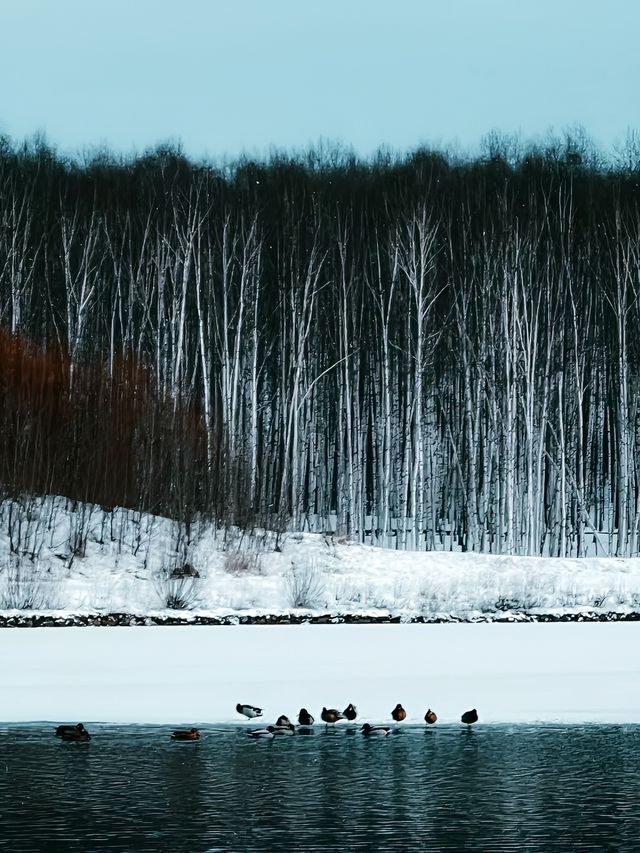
[522, 673]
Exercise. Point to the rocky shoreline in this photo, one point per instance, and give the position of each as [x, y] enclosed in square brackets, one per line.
[115, 620]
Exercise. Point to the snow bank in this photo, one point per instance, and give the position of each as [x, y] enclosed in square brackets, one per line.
[72, 557]
[510, 673]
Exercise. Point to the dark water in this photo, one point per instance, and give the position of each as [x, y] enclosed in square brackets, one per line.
[445, 788]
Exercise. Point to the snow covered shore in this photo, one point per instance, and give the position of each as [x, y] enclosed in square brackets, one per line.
[72, 558]
[68, 559]
[510, 673]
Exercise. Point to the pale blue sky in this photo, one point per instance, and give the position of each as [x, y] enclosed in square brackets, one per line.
[227, 76]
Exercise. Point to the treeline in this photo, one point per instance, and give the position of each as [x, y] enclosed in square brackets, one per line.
[442, 349]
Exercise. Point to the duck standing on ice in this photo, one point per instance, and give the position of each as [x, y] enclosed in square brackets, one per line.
[305, 718]
[331, 715]
[350, 712]
[249, 711]
[283, 726]
[399, 714]
[469, 717]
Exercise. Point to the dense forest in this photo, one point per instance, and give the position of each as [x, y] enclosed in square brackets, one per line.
[418, 351]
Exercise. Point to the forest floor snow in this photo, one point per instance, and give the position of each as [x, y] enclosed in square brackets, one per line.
[67, 558]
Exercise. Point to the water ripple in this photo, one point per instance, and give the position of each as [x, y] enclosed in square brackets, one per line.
[493, 788]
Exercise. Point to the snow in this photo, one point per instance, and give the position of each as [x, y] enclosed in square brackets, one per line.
[569, 673]
[72, 558]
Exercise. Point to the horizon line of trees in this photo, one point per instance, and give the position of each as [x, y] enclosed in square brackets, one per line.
[425, 346]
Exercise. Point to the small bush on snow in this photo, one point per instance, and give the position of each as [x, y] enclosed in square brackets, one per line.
[182, 594]
[176, 593]
[242, 563]
[348, 592]
[23, 588]
[305, 585]
[185, 571]
[428, 599]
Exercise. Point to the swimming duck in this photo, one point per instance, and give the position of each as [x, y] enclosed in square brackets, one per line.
[305, 718]
[350, 712]
[269, 732]
[470, 717]
[249, 711]
[374, 730]
[185, 734]
[76, 733]
[399, 714]
[330, 715]
[430, 717]
[61, 730]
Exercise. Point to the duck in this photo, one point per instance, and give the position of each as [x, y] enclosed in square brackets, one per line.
[399, 714]
[305, 718]
[350, 712]
[375, 730]
[249, 711]
[61, 730]
[430, 717]
[470, 717]
[283, 726]
[330, 715]
[269, 732]
[75, 733]
[185, 734]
